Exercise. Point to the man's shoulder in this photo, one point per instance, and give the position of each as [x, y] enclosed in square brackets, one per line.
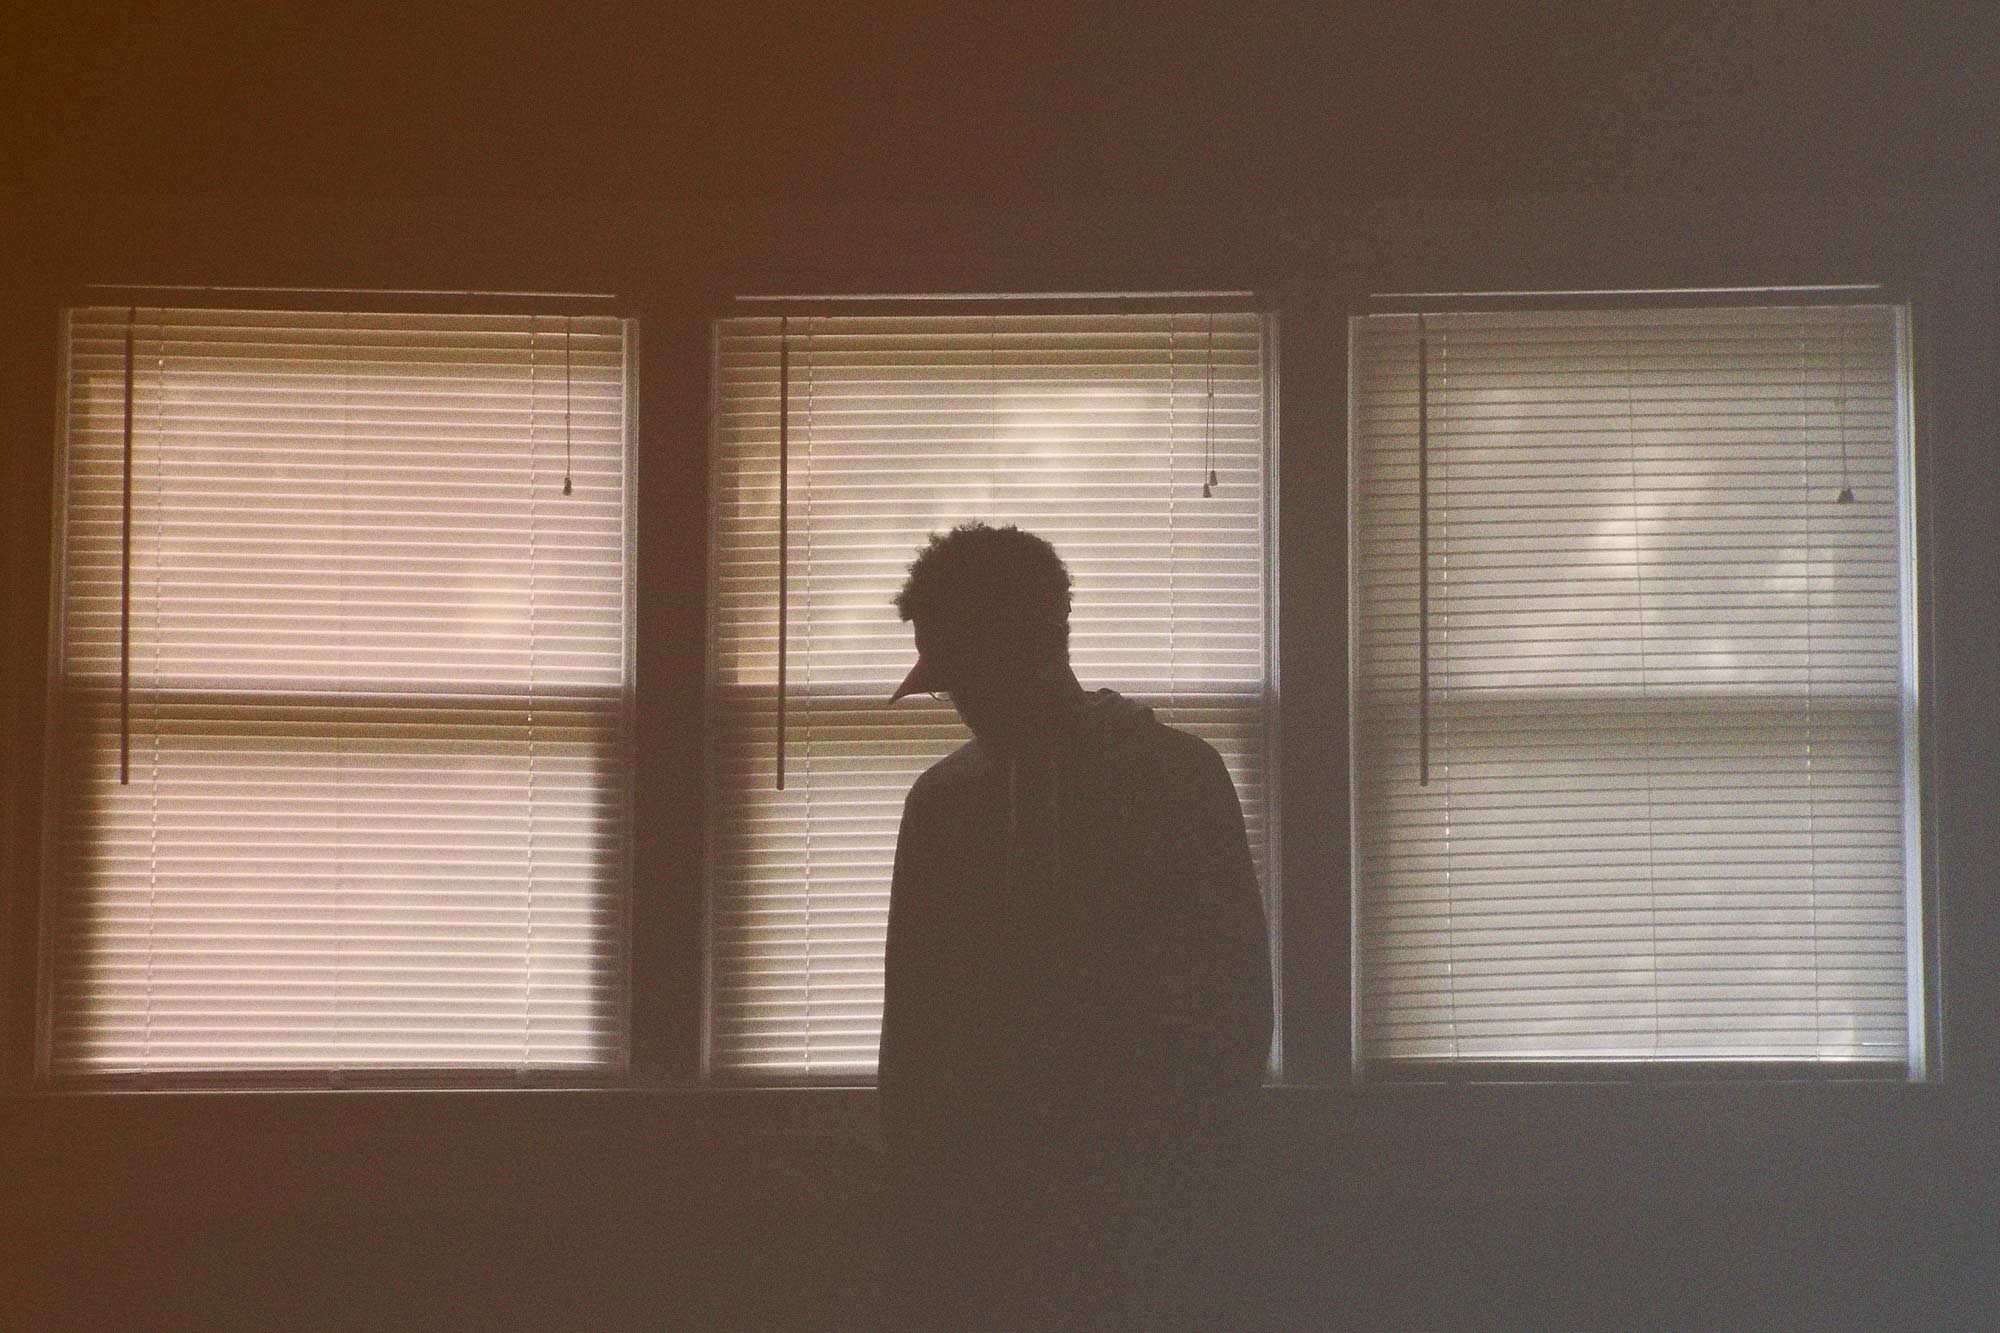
[1171, 750]
[1184, 745]
[953, 773]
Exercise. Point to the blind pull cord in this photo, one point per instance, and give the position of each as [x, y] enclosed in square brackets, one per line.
[1846, 496]
[1208, 486]
[125, 576]
[784, 521]
[569, 323]
[1423, 556]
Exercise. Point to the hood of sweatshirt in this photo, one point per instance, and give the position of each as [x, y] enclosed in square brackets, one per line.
[1096, 721]
[1108, 710]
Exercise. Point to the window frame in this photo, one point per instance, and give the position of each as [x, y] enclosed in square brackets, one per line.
[1314, 294]
[1271, 316]
[1922, 941]
[36, 1060]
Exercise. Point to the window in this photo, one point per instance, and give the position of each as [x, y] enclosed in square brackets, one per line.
[1634, 686]
[841, 443]
[341, 677]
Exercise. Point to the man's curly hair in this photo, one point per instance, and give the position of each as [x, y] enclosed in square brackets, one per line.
[984, 584]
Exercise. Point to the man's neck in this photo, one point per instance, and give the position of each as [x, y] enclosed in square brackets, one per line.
[1044, 713]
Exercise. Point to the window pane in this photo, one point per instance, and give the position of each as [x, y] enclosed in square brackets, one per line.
[1093, 431]
[374, 726]
[1651, 563]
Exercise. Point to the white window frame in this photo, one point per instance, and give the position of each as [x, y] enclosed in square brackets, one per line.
[1920, 897]
[715, 1071]
[358, 302]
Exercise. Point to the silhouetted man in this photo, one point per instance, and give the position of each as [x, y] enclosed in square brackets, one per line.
[1078, 1003]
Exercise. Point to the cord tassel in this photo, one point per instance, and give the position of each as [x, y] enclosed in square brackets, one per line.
[1208, 414]
[569, 376]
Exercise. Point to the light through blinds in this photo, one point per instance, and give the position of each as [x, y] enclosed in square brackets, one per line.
[1096, 431]
[365, 664]
[1634, 690]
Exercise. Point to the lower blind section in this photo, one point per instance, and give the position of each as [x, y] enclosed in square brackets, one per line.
[798, 939]
[1637, 880]
[341, 885]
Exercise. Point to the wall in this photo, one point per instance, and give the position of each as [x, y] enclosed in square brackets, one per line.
[1314, 159]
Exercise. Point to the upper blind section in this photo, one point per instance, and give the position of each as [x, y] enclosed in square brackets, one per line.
[1095, 431]
[372, 500]
[342, 695]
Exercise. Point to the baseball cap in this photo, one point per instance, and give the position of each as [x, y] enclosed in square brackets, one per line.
[924, 678]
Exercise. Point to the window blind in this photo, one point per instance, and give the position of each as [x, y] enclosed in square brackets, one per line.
[364, 662]
[1097, 432]
[1634, 587]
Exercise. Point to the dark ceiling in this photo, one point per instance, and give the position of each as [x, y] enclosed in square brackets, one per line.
[979, 101]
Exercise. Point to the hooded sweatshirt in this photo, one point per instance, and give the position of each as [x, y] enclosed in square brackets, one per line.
[1077, 972]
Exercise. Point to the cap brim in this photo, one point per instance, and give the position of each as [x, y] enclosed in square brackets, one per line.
[921, 680]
